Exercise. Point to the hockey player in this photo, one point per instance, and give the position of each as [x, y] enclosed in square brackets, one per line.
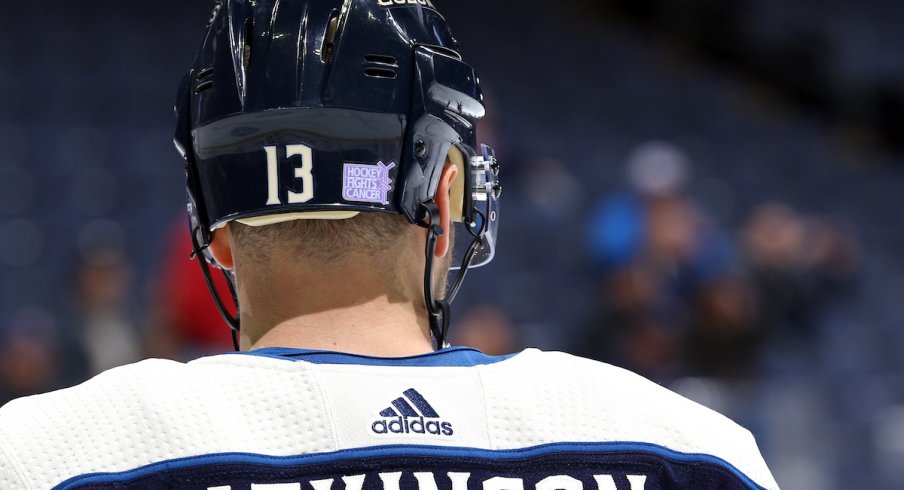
[330, 152]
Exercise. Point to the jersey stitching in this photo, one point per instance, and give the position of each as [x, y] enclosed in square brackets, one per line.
[278, 367]
[491, 439]
[328, 406]
[340, 358]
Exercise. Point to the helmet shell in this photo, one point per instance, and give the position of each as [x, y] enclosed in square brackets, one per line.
[322, 106]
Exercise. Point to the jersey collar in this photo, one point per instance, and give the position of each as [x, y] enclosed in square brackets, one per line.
[452, 356]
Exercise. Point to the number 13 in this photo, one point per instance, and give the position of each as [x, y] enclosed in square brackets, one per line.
[303, 173]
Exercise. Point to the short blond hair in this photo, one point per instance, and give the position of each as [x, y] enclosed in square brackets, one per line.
[322, 240]
[378, 235]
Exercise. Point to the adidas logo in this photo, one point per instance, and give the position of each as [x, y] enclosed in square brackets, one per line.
[411, 414]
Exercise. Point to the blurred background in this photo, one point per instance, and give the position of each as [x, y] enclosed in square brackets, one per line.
[708, 192]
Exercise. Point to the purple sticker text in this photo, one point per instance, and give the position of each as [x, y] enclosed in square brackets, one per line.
[366, 183]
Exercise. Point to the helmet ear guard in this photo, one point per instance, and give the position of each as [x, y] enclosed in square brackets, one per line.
[449, 106]
[458, 188]
[200, 233]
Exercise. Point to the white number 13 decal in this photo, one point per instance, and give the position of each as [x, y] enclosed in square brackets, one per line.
[303, 172]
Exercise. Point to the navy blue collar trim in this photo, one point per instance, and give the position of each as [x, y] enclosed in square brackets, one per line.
[453, 356]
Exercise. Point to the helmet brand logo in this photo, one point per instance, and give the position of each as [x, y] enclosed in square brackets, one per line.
[367, 183]
[391, 3]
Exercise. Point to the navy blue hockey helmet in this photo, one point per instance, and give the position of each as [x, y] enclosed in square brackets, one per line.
[328, 108]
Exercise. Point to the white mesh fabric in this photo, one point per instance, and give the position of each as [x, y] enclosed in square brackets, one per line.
[158, 410]
[9, 473]
[162, 410]
[578, 400]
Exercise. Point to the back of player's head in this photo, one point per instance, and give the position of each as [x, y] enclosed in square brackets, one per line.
[325, 109]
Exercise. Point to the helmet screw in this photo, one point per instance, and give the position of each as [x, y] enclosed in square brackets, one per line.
[497, 191]
[420, 148]
[494, 165]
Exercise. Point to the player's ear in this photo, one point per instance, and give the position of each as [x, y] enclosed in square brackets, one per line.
[221, 247]
[444, 203]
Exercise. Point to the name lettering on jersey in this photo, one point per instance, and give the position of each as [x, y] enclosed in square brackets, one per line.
[411, 414]
[426, 480]
[392, 3]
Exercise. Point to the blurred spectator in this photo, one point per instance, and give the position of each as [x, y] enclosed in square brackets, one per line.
[30, 361]
[675, 301]
[659, 256]
[185, 322]
[726, 336]
[656, 219]
[796, 262]
[630, 327]
[103, 322]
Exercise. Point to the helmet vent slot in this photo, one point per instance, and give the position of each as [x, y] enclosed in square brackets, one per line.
[202, 84]
[380, 66]
[329, 46]
[381, 59]
[204, 73]
[380, 73]
[248, 41]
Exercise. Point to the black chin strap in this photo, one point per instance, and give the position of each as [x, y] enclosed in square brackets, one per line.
[437, 309]
[233, 321]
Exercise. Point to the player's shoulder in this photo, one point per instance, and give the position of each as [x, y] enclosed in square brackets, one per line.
[145, 382]
[120, 382]
[156, 410]
[614, 391]
[588, 382]
[578, 399]
[68, 420]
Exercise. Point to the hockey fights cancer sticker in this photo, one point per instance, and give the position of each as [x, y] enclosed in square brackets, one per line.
[366, 183]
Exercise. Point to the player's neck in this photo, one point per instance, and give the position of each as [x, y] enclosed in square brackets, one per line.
[347, 308]
[375, 329]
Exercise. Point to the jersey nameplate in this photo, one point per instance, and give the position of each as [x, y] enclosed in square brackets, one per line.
[460, 481]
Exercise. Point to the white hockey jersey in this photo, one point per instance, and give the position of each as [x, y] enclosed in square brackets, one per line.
[290, 419]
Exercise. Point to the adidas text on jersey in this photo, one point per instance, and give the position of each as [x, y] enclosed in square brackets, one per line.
[411, 414]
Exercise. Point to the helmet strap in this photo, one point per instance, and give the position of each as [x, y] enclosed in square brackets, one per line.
[233, 321]
[438, 310]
